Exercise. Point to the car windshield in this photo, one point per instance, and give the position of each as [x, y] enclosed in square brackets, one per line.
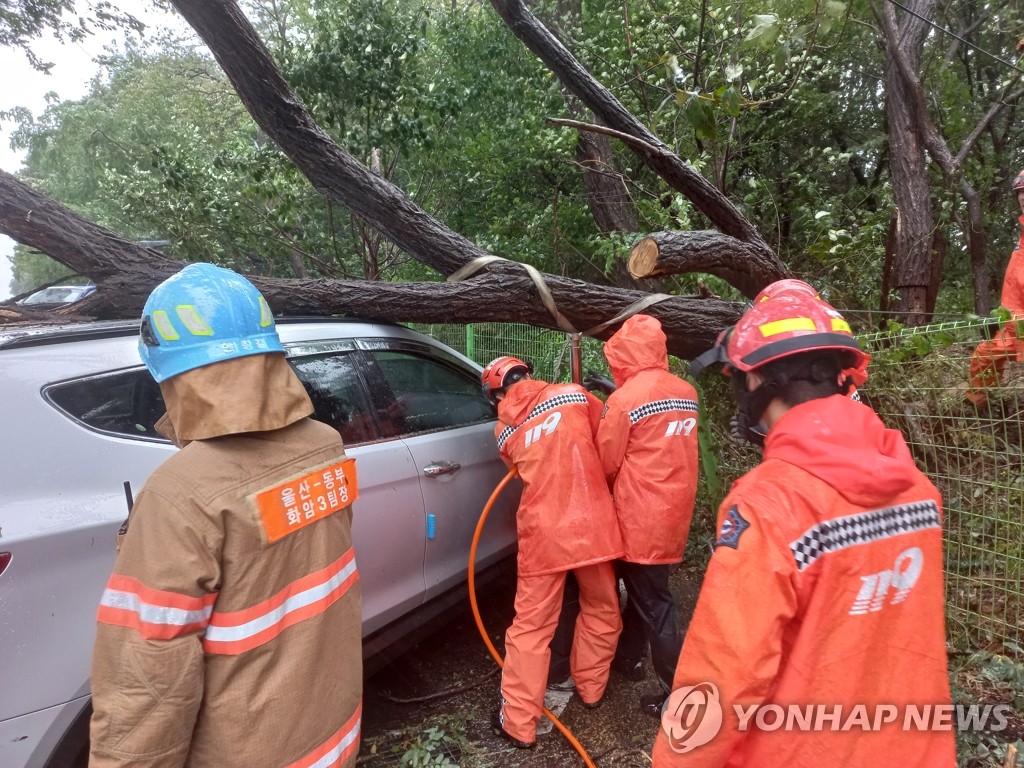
[58, 294]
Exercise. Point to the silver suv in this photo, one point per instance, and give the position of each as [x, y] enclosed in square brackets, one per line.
[77, 411]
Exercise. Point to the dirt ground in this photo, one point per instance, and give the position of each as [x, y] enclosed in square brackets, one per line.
[455, 729]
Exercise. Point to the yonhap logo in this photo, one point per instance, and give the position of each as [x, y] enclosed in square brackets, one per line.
[692, 716]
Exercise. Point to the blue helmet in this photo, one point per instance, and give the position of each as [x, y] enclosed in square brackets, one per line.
[202, 315]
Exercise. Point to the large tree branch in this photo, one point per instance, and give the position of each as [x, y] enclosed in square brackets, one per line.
[128, 272]
[670, 253]
[690, 323]
[663, 161]
[36, 220]
[278, 111]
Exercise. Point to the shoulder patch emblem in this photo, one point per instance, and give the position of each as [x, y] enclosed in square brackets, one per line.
[302, 500]
[604, 410]
[732, 528]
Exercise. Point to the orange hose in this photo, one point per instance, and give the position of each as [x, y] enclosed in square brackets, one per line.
[480, 624]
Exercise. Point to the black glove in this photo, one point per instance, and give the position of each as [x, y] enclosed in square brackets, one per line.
[596, 382]
[744, 433]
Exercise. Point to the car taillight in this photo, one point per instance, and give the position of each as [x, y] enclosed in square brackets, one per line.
[5, 560]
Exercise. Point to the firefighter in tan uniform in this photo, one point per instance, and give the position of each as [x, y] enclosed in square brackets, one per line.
[229, 634]
[824, 593]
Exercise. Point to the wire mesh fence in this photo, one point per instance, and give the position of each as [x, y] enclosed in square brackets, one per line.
[919, 382]
[973, 452]
[548, 350]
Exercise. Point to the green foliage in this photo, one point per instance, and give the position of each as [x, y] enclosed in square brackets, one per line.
[779, 104]
[23, 21]
[355, 66]
[32, 269]
[433, 744]
[987, 678]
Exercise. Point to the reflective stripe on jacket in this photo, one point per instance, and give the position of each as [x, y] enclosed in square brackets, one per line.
[565, 517]
[647, 441]
[825, 589]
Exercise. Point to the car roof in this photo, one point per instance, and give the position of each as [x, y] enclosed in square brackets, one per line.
[19, 336]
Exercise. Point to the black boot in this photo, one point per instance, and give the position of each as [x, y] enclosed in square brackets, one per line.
[652, 704]
[500, 731]
[631, 670]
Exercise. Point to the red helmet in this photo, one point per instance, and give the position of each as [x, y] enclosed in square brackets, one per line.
[781, 287]
[1018, 183]
[496, 376]
[786, 325]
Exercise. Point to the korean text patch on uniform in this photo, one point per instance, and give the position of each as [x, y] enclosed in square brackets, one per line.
[294, 504]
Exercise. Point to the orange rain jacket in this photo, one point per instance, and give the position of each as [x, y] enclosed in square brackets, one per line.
[647, 441]
[990, 357]
[1012, 296]
[229, 634]
[825, 588]
[565, 518]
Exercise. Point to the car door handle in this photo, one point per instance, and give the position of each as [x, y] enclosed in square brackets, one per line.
[441, 468]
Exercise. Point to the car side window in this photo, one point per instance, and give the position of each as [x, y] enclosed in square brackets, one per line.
[431, 394]
[123, 403]
[335, 387]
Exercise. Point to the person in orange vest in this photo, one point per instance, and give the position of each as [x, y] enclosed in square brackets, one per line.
[647, 441]
[229, 634]
[565, 522]
[990, 357]
[823, 600]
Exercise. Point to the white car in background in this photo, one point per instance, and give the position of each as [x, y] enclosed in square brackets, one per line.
[59, 294]
[77, 410]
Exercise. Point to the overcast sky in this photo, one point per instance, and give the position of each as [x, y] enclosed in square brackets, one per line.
[74, 66]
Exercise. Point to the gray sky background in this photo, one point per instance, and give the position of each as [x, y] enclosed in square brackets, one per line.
[22, 86]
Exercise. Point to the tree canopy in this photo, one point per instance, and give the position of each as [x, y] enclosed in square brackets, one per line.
[781, 112]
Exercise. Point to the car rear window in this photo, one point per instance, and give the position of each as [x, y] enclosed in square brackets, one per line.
[339, 400]
[123, 403]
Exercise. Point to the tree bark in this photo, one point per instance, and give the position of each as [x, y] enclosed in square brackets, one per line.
[976, 247]
[912, 260]
[127, 272]
[670, 253]
[658, 156]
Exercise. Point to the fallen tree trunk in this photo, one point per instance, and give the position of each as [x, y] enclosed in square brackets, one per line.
[128, 272]
[673, 253]
[690, 323]
[275, 108]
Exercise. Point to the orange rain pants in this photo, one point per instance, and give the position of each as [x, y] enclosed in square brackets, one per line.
[990, 359]
[528, 643]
